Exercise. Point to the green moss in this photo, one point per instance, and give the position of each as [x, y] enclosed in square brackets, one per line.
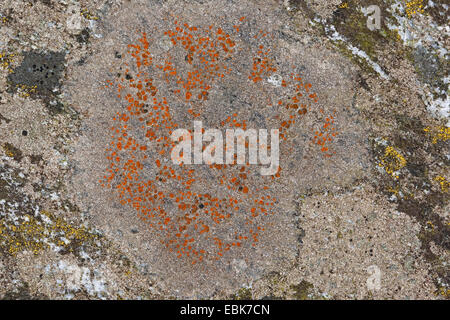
[302, 290]
[360, 36]
[243, 294]
[350, 22]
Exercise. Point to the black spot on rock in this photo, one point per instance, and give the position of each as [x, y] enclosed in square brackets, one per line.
[341, 14]
[35, 159]
[417, 169]
[83, 37]
[301, 235]
[363, 83]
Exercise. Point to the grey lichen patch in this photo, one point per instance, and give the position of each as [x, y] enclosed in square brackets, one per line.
[427, 65]
[40, 74]
[9, 186]
[230, 94]
[431, 70]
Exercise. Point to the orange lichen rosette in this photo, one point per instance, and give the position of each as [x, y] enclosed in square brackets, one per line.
[198, 212]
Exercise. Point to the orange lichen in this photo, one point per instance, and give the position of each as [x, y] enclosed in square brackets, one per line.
[189, 222]
[324, 136]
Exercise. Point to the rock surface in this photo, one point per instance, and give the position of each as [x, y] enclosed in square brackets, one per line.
[92, 207]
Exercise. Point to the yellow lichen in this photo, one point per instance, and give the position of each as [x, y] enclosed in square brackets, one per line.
[392, 161]
[87, 14]
[11, 151]
[413, 7]
[8, 152]
[35, 235]
[430, 225]
[6, 59]
[443, 182]
[438, 134]
[443, 292]
[25, 90]
[400, 194]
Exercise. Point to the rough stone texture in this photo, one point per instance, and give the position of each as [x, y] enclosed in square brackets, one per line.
[372, 201]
